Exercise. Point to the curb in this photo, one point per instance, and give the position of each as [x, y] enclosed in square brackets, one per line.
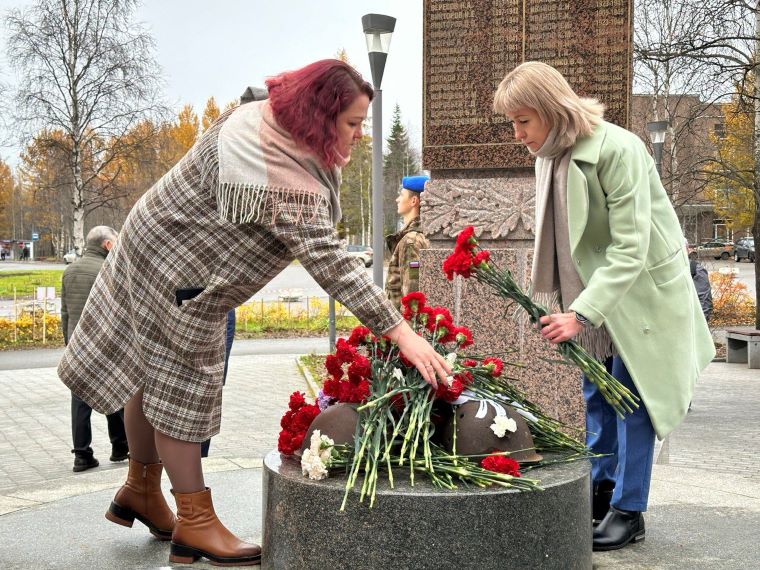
[310, 382]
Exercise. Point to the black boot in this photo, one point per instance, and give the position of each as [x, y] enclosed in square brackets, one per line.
[600, 501]
[119, 453]
[84, 462]
[618, 529]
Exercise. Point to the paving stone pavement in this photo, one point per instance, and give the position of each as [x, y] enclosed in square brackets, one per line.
[35, 425]
[721, 432]
[704, 505]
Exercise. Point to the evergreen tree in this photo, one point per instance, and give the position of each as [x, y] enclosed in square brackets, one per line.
[356, 194]
[399, 160]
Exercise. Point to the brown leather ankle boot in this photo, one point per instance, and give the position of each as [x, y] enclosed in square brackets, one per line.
[141, 498]
[199, 533]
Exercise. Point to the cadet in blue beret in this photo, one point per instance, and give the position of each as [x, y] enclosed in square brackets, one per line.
[405, 245]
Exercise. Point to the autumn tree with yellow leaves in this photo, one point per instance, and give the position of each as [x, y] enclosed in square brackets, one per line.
[731, 172]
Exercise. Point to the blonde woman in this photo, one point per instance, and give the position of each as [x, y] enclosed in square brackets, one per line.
[609, 246]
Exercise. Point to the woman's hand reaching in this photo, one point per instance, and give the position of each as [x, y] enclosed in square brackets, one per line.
[419, 352]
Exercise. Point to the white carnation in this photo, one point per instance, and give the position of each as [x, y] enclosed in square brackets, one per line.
[397, 374]
[502, 424]
[451, 358]
[316, 459]
[312, 466]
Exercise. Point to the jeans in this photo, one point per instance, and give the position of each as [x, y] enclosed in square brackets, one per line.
[629, 443]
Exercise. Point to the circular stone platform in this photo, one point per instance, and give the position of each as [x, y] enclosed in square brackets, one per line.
[425, 527]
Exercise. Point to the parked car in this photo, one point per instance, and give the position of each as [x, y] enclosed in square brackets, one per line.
[717, 249]
[70, 256]
[363, 252]
[744, 248]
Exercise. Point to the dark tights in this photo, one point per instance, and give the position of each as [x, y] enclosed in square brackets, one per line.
[181, 459]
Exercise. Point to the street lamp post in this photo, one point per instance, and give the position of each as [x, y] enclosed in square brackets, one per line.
[657, 130]
[377, 31]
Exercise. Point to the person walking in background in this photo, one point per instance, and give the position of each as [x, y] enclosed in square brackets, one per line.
[701, 279]
[405, 245]
[257, 190]
[609, 245]
[77, 282]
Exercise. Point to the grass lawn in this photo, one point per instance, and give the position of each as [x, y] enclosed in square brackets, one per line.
[315, 363]
[26, 282]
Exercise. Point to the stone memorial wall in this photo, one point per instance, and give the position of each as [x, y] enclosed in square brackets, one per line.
[469, 47]
[482, 177]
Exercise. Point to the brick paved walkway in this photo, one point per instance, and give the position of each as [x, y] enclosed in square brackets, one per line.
[722, 431]
[35, 427]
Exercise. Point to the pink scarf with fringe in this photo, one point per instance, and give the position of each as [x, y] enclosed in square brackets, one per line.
[263, 171]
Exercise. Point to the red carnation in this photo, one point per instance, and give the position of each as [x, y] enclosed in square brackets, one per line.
[360, 392]
[295, 423]
[494, 365]
[287, 419]
[425, 316]
[436, 315]
[360, 367]
[303, 418]
[501, 464]
[458, 263]
[469, 363]
[285, 443]
[360, 335]
[444, 332]
[412, 303]
[296, 400]
[334, 366]
[449, 393]
[466, 238]
[331, 388]
[463, 336]
[465, 377]
[297, 441]
[483, 256]
[344, 351]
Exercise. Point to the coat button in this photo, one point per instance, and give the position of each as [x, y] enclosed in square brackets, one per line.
[598, 249]
[577, 261]
[646, 329]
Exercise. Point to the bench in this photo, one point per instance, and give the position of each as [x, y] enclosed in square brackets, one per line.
[743, 345]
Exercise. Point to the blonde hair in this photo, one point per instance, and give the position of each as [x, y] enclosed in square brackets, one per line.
[539, 86]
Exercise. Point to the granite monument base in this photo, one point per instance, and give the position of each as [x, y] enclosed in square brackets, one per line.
[424, 527]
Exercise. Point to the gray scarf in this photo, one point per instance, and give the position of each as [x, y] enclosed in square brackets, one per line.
[555, 281]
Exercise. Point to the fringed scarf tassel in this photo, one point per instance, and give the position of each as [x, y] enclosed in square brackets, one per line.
[246, 203]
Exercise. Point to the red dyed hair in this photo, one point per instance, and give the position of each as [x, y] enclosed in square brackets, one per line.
[306, 103]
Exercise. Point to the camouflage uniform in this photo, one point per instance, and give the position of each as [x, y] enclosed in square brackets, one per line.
[403, 270]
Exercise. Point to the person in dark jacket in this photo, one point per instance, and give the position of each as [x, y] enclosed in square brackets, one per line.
[702, 284]
[78, 279]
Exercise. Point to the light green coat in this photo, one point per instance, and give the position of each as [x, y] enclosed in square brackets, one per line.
[628, 248]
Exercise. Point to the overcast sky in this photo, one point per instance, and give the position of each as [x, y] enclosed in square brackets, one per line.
[219, 47]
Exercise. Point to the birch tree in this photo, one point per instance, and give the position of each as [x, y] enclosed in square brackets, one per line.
[85, 68]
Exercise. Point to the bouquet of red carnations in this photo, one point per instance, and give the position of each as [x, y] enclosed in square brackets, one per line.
[469, 260]
[398, 409]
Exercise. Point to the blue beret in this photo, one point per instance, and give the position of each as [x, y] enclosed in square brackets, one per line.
[414, 183]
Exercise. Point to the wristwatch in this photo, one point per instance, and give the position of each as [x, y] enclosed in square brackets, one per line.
[582, 320]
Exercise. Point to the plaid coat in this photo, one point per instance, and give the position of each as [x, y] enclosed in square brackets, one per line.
[174, 247]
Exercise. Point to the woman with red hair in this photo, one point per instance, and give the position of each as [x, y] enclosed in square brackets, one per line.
[259, 189]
